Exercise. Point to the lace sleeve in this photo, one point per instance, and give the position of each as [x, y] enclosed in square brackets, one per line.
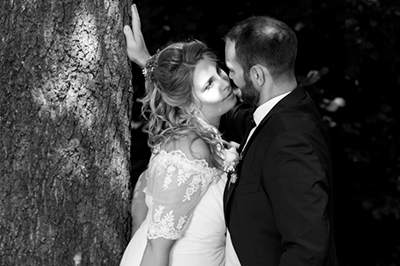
[178, 186]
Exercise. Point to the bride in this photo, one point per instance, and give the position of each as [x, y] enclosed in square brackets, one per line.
[177, 207]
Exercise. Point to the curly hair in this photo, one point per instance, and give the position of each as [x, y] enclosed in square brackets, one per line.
[167, 105]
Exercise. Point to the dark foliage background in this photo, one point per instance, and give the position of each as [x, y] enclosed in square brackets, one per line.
[349, 60]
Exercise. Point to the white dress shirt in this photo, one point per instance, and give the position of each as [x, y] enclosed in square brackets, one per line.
[262, 112]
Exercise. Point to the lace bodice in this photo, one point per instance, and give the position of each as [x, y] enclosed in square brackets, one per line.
[175, 187]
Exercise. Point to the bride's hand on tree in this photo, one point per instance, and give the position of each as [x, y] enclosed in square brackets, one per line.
[135, 45]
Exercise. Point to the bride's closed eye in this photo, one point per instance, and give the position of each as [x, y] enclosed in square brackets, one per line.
[209, 84]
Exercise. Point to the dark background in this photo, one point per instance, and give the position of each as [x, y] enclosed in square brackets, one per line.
[348, 50]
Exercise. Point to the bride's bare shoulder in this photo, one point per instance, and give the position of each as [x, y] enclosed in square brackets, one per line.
[192, 146]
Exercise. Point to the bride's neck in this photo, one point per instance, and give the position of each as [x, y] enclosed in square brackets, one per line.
[207, 121]
[213, 121]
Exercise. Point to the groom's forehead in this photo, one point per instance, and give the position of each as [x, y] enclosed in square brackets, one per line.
[230, 54]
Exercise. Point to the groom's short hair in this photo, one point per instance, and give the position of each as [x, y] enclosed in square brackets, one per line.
[266, 41]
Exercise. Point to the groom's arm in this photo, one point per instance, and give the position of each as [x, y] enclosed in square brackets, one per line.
[298, 186]
[235, 124]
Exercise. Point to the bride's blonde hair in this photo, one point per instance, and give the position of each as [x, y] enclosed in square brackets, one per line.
[168, 104]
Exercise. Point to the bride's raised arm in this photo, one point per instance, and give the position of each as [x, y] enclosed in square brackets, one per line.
[135, 44]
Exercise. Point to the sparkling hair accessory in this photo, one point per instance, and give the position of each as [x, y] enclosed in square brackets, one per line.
[151, 64]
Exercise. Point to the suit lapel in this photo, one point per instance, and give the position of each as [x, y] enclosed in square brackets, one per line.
[229, 185]
[293, 98]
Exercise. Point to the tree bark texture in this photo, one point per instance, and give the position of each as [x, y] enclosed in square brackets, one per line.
[65, 110]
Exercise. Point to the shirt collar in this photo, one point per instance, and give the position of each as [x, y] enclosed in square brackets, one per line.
[264, 109]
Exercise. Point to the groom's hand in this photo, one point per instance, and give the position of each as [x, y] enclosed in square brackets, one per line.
[135, 45]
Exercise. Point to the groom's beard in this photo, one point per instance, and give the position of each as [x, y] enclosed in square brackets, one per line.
[249, 93]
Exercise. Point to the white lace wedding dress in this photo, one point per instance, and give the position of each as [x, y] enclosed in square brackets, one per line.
[195, 216]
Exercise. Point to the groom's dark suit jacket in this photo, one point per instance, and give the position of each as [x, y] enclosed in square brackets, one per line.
[279, 211]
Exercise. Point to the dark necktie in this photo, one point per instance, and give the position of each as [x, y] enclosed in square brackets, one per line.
[250, 128]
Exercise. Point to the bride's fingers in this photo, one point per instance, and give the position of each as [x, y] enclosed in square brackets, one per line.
[135, 20]
[128, 35]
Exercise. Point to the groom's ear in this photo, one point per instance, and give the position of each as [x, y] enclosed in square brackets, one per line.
[259, 75]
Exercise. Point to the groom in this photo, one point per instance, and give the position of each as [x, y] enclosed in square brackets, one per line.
[279, 210]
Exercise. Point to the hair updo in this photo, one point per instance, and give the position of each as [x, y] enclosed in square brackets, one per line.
[169, 98]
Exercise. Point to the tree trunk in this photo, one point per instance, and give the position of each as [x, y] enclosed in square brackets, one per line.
[66, 96]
